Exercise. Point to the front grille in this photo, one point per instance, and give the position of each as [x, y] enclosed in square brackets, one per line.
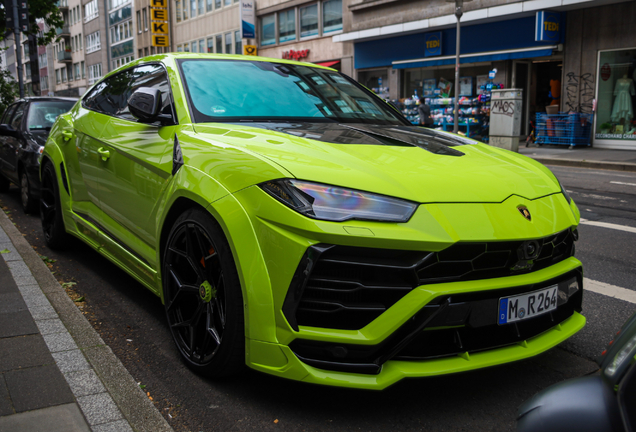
[464, 323]
[346, 287]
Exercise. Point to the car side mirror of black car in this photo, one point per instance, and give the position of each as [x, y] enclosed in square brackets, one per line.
[145, 104]
[7, 130]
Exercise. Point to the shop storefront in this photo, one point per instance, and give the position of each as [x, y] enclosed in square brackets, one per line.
[423, 62]
[616, 98]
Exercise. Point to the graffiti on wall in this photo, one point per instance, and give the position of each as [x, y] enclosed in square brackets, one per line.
[579, 92]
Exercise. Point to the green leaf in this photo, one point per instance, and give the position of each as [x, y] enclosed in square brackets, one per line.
[5, 251]
[142, 386]
[81, 299]
[68, 284]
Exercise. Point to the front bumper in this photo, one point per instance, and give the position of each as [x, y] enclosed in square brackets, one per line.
[374, 355]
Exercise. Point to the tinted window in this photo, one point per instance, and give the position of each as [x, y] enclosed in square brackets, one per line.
[111, 95]
[17, 117]
[7, 114]
[42, 114]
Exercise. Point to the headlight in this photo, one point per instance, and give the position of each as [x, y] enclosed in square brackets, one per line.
[320, 201]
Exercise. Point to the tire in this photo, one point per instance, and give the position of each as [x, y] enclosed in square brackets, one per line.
[4, 184]
[206, 320]
[51, 212]
[26, 197]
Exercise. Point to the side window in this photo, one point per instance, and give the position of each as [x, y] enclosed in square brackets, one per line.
[111, 95]
[7, 114]
[152, 76]
[17, 117]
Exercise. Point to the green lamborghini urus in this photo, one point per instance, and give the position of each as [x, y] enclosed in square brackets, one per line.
[292, 221]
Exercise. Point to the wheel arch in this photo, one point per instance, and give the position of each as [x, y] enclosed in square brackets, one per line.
[252, 272]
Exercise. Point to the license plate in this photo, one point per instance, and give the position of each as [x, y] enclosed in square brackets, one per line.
[525, 306]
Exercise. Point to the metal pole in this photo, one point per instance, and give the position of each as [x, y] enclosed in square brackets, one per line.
[18, 47]
[458, 14]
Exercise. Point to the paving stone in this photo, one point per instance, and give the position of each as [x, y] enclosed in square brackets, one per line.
[12, 302]
[6, 407]
[17, 324]
[23, 352]
[71, 361]
[99, 409]
[50, 326]
[4, 238]
[118, 426]
[60, 342]
[62, 418]
[7, 284]
[12, 255]
[43, 312]
[21, 273]
[35, 299]
[84, 383]
[37, 387]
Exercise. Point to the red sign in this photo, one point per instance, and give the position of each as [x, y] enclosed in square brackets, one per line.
[295, 55]
[606, 71]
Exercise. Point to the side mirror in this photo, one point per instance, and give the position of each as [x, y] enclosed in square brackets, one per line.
[7, 130]
[145, 104]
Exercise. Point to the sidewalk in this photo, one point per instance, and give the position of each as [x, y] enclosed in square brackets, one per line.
[584, 157]
[56, 373]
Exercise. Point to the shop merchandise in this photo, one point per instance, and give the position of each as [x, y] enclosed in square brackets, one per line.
[623, 110]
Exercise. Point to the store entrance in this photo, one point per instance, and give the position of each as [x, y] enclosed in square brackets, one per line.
[545, 88]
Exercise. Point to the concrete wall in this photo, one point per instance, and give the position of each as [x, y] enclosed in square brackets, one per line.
[588, 31]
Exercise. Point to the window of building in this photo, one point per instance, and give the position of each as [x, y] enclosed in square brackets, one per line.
[57, 76]
[145, 15]
[138, 21]
[309, 21]
[201, 7]
[238, 43]
[177, 8]
[217, 4]
[94, 73]
[287, 25]
[228, 43]
[92, 42]
[63, 70]
[193, 8]
[44, 82]
[268, 30]
[210, 45]
[91, 10]
[152, 50]
[83, 69]
[186, 47]
[219, 44]
[227, 3]
[209, 5]
[185, 10]
[77, 71]
[201, 45]
[193, 47]
[27, 70]
[79, 40]
[146, 52]
[42, 60]
[179, 48]
[140, 53]
[331, 16]
[69, 72]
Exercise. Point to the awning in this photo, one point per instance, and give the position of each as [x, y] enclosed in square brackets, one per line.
[328, 64]
[521, 53]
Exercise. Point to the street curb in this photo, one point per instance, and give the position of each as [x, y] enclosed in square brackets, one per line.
[133, 403]
[614, 166]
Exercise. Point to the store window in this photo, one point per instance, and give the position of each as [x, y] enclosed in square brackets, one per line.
[309, 21]
[194, 47]
[238, 43]
[332, 16]
[615, 118]
[210, 45]
[287, 26]
[268, 30]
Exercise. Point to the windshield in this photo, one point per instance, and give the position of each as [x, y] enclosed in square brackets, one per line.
[42, 114]
[239, 90]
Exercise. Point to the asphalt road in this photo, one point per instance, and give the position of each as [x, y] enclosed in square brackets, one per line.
[131, 321]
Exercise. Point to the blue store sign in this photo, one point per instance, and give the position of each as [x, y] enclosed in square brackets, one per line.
[433, 44]
[548, 26]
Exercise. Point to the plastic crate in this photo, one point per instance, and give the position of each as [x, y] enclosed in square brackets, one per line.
[571, 129]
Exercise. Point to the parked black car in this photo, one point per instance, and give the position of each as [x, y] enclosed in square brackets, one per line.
[603, 402]
[24, 128]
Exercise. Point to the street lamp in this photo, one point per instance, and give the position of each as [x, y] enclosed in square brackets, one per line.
[458, 13]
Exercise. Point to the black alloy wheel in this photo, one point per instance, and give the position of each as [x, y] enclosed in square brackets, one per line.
[50, 210]
[26, 197]
[202, 296]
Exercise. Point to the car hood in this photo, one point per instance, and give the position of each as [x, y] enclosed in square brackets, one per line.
[407, 162]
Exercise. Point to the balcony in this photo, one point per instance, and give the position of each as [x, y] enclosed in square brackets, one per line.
[62, 5]
[64, 57]
[63, 31]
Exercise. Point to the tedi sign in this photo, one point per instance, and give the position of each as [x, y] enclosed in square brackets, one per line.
[295, 55]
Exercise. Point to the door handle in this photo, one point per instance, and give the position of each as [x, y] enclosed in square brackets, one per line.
[105, 154]
[67, 135]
